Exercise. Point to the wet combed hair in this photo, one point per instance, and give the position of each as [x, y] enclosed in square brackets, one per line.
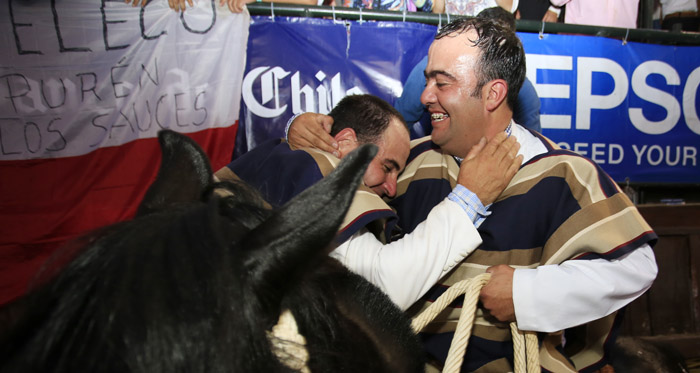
[369, 116]
[502, 54]
[500, 16]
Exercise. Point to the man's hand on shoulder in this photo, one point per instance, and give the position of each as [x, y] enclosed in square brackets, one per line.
[311, 130]
[489, 167]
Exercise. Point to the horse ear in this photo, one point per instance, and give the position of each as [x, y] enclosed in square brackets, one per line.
[183, 175]
[287, 243]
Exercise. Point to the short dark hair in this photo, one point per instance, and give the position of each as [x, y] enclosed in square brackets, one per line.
[500, 16]
[369, 116]
[502, 54]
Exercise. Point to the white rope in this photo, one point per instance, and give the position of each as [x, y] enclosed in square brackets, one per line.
[525, 344]
[290, 347]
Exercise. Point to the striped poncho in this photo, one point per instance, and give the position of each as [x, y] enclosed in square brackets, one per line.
[559, 206]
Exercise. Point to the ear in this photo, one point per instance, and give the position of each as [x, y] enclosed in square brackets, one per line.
[495, 93]
[347, 141]
[287, 243]
[183, 175]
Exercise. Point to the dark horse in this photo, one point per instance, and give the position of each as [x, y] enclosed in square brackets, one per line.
[199, 278]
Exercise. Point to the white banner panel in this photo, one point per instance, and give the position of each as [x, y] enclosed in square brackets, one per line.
[78, 75]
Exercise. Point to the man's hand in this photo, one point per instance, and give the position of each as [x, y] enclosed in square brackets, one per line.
[178, 5]
[489, 167]
[312, 130]
[497, 295]
[550, 16]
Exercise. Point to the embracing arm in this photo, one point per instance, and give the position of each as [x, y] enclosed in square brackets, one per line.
[311, 130]
[407, 268]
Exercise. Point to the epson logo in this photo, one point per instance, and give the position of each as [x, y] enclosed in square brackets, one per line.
[304, 98]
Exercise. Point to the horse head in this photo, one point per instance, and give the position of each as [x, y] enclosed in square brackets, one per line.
[199, 279]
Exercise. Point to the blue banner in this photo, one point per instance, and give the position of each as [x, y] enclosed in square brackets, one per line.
[630, 107]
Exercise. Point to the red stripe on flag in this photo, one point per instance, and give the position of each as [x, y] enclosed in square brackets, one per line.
[45, 202]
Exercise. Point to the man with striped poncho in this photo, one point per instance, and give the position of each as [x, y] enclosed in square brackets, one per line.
[566, 249]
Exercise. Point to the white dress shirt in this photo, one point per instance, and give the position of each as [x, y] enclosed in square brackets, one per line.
[407, 268]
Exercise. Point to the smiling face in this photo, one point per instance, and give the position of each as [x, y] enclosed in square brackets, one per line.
[457, 114]
[394, 146]
[363, 119]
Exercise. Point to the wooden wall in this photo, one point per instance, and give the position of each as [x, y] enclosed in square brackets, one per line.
[670, 310]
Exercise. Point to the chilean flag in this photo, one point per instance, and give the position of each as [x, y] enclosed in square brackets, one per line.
[85, 86]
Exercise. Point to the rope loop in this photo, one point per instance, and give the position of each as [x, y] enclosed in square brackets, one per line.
[525, 344]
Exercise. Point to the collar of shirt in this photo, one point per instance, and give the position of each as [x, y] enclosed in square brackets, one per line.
[508, 131]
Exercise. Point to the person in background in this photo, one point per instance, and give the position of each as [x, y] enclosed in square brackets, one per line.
[526, 111]
[680, 15]
[656, 16]
[537, 10]
[607, 13]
